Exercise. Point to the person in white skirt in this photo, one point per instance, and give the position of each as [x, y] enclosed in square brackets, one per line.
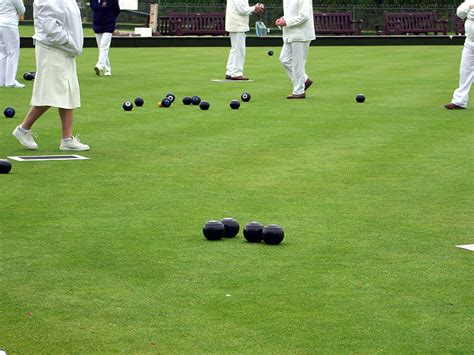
[58, 40]
[466, 71]
[10, 12]
[237, 23]
[297, 25]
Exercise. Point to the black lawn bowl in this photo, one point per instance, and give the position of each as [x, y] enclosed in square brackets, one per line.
[204, 105]
[273, 234]
[253, 232]
[234, 104]
[28, 76]
[127, 106]
[213, 230]
[187, 100]
[170, 96]
[270, 53]
[165, 103]
[195, 100]
[9, 112]
[246, 97]
[5, 166]
[231, 227]
[360, 98]
[139, 101]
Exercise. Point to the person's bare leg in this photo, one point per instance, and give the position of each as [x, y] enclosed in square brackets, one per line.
[33, 114]
[67, 118]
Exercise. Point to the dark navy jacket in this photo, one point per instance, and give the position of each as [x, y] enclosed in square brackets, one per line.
[105, 14]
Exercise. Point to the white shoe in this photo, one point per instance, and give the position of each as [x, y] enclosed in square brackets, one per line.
[73, 144]
[25, 138]
[107, 73]
[17, 85]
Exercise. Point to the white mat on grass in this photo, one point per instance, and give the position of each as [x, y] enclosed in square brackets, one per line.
[466, 246]
[48, 157]
[230, 81]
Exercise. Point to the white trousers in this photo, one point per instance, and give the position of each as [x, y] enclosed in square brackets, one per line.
[466, 77]
[236, 61]
[9, 55]
[293, 57]
[103, 43]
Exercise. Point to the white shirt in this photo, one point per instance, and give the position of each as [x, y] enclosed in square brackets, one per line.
[464, 12]
[9, 12]
[299, 18]
[237, 15]
[58, 24]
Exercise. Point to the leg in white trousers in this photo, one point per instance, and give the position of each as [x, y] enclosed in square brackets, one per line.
[466, 77]
[293, 57]
[9, 55]
[236, 61]
[103, 43]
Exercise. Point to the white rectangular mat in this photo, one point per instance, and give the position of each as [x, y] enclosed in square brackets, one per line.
[466, 246]
[48, 157]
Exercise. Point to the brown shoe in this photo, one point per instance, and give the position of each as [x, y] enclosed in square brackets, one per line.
[228, 77]
[296, 96]
[454, 107]
[241, 77]
[307, 84]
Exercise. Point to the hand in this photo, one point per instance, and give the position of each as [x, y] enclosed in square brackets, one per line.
[259, 8]
[280, 22]
[471, 7]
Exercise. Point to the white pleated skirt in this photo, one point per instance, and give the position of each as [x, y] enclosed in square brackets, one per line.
[56, 82]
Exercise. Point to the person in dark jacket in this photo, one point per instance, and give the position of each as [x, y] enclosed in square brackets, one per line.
[105, 14]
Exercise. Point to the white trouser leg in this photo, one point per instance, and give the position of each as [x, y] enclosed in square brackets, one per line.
[466, 77]
[9, 55]
[293, 57]
[236, 61]
[3, 61]
[286, 59]
[103, 43]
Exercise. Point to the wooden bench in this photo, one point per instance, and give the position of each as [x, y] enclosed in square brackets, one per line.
[459, 28]
[400, 23]
[338, 23]
[198, 24]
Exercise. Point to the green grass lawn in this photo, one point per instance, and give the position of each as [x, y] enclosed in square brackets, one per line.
[107, 255]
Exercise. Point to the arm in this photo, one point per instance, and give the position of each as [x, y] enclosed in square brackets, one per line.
[463, 9]
[51, 20]
[117, 8]
[20, 8]
[95, 5]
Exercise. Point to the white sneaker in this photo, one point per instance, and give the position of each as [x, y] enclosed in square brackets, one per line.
[25, 138]
[17, 85]
[73, 144]
[107, 73]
